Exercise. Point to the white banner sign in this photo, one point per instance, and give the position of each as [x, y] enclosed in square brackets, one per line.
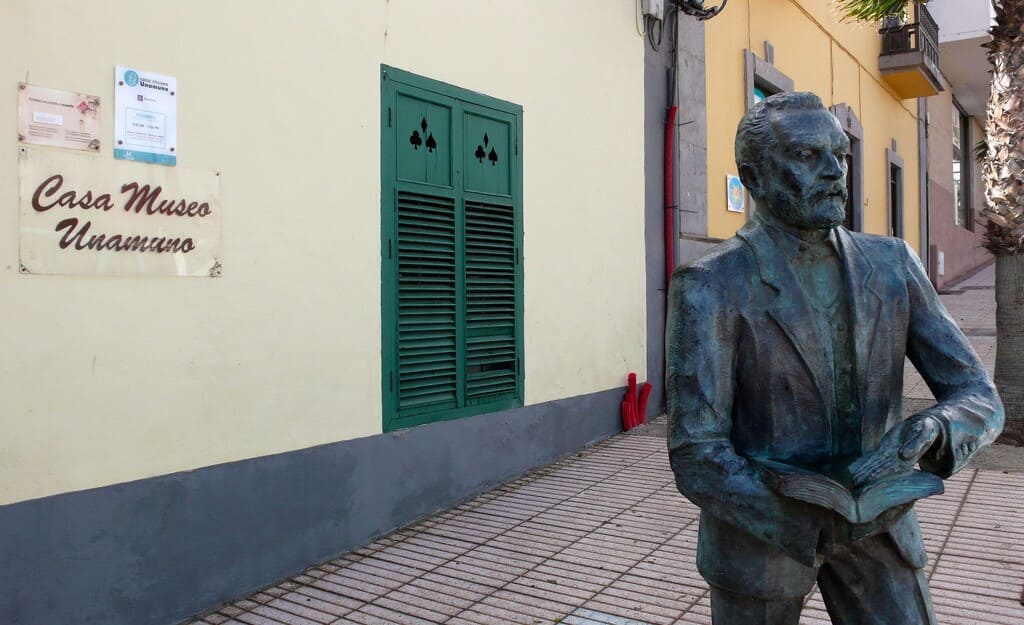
[85, 215]
[145, 116]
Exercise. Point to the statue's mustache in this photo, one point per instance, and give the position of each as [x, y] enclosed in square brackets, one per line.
[823, 193]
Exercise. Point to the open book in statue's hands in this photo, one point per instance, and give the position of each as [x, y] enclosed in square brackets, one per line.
[833, 489]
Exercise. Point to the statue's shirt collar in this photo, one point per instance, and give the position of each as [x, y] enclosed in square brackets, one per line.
[789, 240]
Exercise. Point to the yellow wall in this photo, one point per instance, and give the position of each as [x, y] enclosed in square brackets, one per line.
[104, 380]
[836, 59]
[845, 78]
[726, 36]
[885, 119]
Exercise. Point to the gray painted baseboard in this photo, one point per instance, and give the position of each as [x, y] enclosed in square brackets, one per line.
[155, 551]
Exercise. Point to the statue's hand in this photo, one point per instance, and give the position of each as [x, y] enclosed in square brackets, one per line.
[901, 448]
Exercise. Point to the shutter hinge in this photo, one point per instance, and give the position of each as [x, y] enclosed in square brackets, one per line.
[517, 147]
[391, 375]
[389, 249]
[519, 367]
[519, 255]
[389, 117]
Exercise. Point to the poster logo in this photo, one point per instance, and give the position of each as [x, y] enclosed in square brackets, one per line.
[131, 78]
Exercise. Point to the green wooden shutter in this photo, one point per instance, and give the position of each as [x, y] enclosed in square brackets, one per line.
[491, 366]
[490, 300]
[451, 296]
[427, 368]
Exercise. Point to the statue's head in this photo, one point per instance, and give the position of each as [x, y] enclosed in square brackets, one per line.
[791, 154]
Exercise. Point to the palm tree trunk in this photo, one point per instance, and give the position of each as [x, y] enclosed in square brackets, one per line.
[1003, 172]
[1009, 375]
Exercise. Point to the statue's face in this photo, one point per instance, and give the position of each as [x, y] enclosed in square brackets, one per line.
[802, 178]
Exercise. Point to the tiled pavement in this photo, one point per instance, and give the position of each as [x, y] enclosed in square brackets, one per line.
[972, 304]
[603, 538]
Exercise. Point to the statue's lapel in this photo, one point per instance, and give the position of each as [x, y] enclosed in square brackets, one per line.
[789, 308]
[865, 304]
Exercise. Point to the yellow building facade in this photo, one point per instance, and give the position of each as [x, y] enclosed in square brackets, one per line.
[806, 45]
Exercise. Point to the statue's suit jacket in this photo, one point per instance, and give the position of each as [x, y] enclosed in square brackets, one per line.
[747, 378]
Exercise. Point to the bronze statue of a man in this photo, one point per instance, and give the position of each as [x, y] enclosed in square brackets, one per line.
[785, 351]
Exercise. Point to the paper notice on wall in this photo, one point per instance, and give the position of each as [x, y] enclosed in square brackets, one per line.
[82, 215]
[145, 116]
[63, 119]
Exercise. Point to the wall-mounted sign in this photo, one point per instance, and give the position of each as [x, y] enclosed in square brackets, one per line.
[64, 119]
[85, 215]
[145, 116]
[735, 194]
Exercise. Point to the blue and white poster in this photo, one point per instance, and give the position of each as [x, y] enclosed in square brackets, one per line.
[145, 116]
[735, 194]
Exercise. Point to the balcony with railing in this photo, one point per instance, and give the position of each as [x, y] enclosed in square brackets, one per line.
[910, 55]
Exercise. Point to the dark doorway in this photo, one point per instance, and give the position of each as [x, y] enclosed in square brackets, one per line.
[895, 201]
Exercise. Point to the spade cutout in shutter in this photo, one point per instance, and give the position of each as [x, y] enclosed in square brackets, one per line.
[489, 152]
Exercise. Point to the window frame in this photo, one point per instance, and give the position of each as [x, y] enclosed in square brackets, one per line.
[855, 132]
[895, 214]
[962, 209]
[761, 75]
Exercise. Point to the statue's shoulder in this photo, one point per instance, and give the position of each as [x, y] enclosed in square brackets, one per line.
[880, 247]
[723, 270]
[726, 256]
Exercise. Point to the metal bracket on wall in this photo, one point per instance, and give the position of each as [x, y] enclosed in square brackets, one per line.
[696, 8]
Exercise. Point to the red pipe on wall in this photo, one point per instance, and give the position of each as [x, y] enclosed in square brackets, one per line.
[670, 222]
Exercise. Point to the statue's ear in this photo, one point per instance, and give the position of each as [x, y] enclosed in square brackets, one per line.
[751, 179]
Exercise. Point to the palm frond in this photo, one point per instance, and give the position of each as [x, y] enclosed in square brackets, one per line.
[872, 10]
[981, 151]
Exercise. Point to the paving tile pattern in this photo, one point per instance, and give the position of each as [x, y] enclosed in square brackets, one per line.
[604, 538]
[972, 305]
[604, 535]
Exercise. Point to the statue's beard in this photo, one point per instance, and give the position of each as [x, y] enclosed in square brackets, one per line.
[819, 210]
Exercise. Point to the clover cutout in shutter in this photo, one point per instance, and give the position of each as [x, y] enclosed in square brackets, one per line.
[481, 151]
[416, 139]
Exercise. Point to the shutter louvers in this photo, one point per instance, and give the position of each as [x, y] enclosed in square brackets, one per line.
[426, 301]
[490, 300]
